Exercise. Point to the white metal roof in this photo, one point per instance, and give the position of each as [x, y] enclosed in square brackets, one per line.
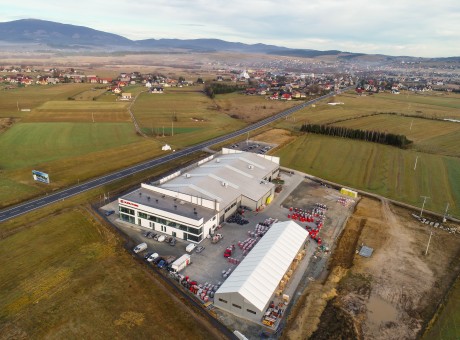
[259, 274]
[226, 177]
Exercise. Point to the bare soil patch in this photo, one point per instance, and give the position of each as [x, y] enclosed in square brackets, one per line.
[394, 293]
[6, 123]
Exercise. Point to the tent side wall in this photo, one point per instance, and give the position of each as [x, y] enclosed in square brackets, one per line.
[236, 304]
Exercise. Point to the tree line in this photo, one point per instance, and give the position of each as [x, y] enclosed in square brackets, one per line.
[400, 141]
[212, 89]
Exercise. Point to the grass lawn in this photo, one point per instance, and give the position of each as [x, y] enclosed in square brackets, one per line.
[68, 277]
[447, 326]
[381, 169]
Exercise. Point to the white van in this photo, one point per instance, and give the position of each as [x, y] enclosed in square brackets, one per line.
[140, 247]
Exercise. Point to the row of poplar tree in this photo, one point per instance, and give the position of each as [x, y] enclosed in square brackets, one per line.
[370, 136]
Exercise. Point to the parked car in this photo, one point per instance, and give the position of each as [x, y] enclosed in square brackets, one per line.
[156, 237]
[161, 238]
[146, 234]
[162, 263]
[109, 212]
[152, 257]
[147, 255]
[140, 247]
[152, 235]
[199, 249]
[172, 242]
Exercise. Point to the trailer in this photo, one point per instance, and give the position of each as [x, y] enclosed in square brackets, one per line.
[181, 263]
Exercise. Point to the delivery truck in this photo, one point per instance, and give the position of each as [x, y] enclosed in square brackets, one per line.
[180, 263]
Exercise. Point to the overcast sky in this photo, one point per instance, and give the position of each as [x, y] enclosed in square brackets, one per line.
[425, 28]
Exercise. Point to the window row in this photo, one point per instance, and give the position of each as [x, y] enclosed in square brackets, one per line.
[192, 230]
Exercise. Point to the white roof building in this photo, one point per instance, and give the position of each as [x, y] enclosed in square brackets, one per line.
[190, 203]
[250, 288]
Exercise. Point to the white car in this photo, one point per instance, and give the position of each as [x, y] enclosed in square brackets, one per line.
[152, 257]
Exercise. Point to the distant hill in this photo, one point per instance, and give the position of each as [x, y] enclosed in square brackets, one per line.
[56, 34]
[38, 34]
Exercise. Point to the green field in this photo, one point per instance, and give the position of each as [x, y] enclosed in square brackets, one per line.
[29, 144]
[356, 106]
[68, 277]
[439, 137]
[380, 169]
[68, 152]
[33, 96]
[190, 115]
[447, 326]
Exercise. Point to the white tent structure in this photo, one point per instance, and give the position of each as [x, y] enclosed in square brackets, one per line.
[250, 288]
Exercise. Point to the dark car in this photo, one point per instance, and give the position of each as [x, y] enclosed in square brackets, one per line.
[162, 263]
[172, 242]
[147, 255]
[146, 234]
[151, 235]
[109, 212]
[199, 249]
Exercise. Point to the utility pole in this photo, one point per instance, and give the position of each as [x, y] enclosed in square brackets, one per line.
[444, 219]
[411, 125]
[247, 139]
[423, 205]
[415, 165]
[92, 115]
[172, 128]
[163, 131]
[17, 104]
[429, 240]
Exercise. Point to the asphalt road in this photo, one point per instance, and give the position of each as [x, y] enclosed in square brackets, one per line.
[61, 195]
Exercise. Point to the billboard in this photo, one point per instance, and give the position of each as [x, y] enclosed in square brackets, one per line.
[40, 176]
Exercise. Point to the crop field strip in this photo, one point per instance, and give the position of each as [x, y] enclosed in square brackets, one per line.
[380, 169]
[61, 271]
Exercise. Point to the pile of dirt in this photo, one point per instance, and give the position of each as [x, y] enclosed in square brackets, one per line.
[340, 324]
[6, 123]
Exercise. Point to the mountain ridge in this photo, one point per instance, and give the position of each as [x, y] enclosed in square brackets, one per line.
[66, 36]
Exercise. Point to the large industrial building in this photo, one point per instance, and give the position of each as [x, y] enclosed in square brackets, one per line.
[251, 287]
[190, 203]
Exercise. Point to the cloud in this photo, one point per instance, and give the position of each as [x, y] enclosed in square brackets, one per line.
[421, 28]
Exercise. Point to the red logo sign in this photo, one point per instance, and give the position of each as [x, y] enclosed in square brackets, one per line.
[129, 203]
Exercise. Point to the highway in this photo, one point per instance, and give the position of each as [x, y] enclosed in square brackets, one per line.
[61, 195]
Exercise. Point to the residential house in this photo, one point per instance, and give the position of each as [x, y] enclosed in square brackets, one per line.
[156, 90]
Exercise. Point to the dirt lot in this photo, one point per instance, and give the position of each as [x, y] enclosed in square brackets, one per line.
[6, 123]
[384, 296]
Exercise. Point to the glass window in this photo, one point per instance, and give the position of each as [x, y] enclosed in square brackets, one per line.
[141, 214]
[236, 306]
[251, 311]
[222, 300]
[127, 211]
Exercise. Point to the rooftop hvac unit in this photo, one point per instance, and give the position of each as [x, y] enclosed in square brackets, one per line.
[217, 160]
[224, 184]
[188, 175]
[251, 166]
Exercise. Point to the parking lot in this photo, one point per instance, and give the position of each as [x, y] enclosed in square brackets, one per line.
[252, 146]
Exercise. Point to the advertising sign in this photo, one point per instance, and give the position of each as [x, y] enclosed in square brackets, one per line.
[40, 176]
